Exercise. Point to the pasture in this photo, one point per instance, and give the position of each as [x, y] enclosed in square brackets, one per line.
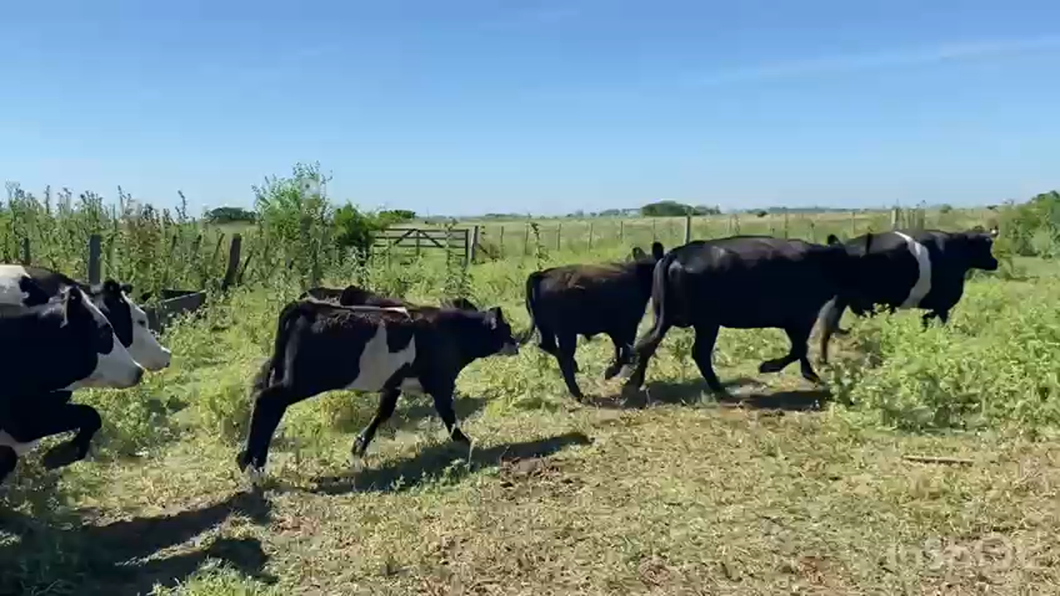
[790, 489]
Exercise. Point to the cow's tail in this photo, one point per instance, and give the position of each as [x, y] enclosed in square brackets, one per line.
[273, 368]
[662, 302]
[533, 282]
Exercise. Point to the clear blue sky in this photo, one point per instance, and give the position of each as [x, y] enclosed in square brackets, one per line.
[469, 106]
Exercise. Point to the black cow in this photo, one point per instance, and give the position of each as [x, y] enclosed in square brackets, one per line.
[322, 347]
[744, 282]
[45, 350]
[922, 269]
[353, 295]
[571, 300]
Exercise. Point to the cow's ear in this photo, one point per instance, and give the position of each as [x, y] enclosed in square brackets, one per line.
[994, 231]
[657, 250]
[127, 288]
[638, 253]
[832, 239]
[73, 298]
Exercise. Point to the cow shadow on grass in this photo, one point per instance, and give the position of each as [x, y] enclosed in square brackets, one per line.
[697, 391]
[435, 463]
[60, 552]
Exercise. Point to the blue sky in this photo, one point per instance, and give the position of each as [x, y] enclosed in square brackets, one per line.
[548, 106]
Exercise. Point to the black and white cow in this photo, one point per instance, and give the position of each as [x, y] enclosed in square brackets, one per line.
[322, 347]
[590, 299]
[126, 317]
[905, 269]
[353, 295]
[744, 282]
[26, 286]
[47, 350]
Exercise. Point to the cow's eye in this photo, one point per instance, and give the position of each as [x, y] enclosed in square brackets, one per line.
[142, 323]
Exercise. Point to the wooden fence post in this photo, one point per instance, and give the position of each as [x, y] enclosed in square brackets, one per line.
[25, 251]
[501, 241]
[590, 235]
[621, 230]
[472, 245]
[895, 213]
[233, 262]
[654, 233]
[688, 229]
[559, 235]
[853, 223]
[526, 240]
[93, 258]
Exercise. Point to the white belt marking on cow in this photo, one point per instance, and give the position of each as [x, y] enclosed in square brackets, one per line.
[377, 363]
[20, 448]
[923, 280]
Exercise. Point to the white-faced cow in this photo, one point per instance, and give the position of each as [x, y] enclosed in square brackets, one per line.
[571, 300]
[47, 350]
[353, 295]
[905, 269]
[126, 317]
[744, 282]
[322, 347]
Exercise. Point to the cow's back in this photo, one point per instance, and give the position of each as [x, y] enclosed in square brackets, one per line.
[750, 281]
[591, 297]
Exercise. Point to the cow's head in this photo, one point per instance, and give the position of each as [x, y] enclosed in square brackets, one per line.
[130, 325]
[488, 333]
[645, 264]
[91, 334]
[976, 248]
[460, 304]
[850, 262]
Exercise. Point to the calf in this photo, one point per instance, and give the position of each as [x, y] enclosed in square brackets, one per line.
[911, 269]
[128, 320]
[322, 347]
[353, 295]
[571, 300]
[48, 349]
[744, 282]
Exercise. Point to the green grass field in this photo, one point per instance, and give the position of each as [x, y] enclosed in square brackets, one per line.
[672, 493]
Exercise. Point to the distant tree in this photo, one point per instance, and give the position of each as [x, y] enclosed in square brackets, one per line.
[665, 209]
[945, 208]
[223, 215]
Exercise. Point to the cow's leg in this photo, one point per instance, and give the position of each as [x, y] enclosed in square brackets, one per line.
[799, 336]
[833, 313]
[268, 410]
[623, 349]
[388, 399]
[52, 415]
[86, 420]
[943, 316]
[8, 461]
[443, 404]
[642, 353]
[568, 343]
[702, 353]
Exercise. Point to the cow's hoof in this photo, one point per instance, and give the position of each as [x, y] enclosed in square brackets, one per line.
[359, 447]
[771, 366]
[61, 456]
[612, 371]
[459, 436]
[255, 475]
